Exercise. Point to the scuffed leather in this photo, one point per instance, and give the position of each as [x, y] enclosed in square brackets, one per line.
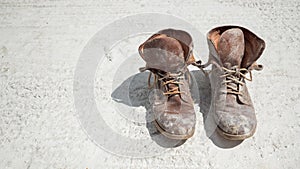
[169, 51]
[231, 115]
[245, 96]
[175, 114]
[234, 114]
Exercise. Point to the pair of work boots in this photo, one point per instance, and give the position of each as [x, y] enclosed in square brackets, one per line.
[233, 52]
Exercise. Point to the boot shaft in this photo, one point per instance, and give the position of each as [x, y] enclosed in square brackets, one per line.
[168, 50]
[253, 45]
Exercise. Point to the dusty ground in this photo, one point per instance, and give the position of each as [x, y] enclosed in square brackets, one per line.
[40, 126]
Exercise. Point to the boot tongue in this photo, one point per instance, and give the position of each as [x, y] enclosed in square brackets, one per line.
[183, 38]
[163, 53]
[231, 47]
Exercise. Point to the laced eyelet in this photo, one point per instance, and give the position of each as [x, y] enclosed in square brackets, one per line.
[234, 76]
[167, 79]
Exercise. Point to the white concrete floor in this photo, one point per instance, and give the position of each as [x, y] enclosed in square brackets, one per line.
[41, 42]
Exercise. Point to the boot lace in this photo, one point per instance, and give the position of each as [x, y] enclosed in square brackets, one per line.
[167, 79]
[235, 76]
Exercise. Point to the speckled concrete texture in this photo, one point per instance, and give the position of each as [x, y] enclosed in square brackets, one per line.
[41, 42]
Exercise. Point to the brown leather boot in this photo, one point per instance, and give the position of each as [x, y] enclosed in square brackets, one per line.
[233, 54]
[167, 55]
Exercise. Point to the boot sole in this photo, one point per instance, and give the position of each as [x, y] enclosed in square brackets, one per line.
[173, 136]
[235, 137]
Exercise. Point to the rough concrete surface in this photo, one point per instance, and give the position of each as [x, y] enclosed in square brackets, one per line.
[40, 44]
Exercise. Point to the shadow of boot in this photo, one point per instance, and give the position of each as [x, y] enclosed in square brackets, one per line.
[204, 91]
[134, 92]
